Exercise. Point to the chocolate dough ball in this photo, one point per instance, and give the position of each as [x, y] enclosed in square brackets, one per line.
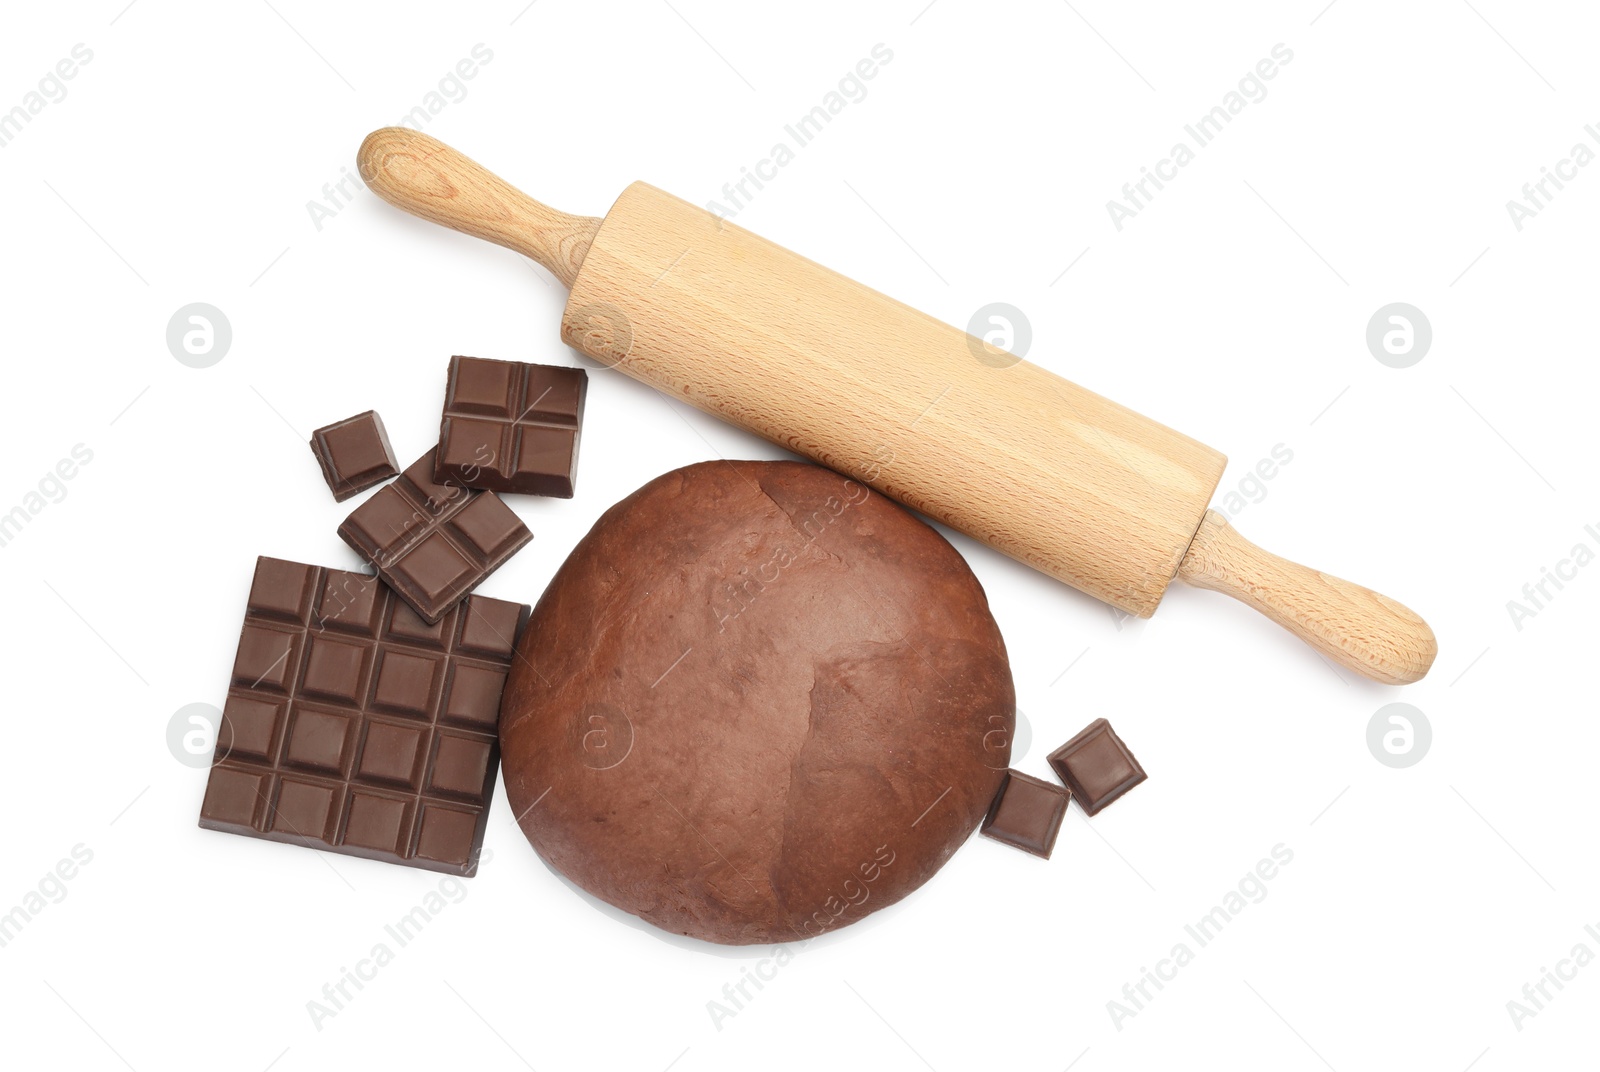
[758, 702]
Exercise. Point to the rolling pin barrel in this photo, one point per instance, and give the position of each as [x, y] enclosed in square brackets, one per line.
[1071, 483]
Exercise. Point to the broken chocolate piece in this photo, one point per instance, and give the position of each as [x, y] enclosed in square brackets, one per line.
[433, 543]
[1096, 766]
[353, 726]
[1026, 813]
[354, 454]
[510, 426]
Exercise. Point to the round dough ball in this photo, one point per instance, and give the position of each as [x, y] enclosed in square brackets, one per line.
[758, 702]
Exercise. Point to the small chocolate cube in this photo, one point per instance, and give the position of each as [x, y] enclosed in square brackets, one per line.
[1026, 813]
[1096, 766]
[354, 454]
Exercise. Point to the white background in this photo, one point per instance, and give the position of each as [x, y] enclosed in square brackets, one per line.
[1419, 901]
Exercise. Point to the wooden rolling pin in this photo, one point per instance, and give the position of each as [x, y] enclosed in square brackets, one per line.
[1091, 493]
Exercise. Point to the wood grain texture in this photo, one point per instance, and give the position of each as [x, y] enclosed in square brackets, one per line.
[1054, 475]
[1354, 626]
[427, 178]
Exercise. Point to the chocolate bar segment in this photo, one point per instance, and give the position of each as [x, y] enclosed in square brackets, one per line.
[354, 454]
[433, 543]
[1027, 813]
[1096, 766]
[352, 725]
[510, 426]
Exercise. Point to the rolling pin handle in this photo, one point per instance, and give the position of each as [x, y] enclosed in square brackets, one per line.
[427, 178]
[1354, 626]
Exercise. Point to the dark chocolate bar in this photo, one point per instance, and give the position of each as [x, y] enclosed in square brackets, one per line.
[1026, 813]
[354, 454]
[510, 426]
[433, 543]
[1096, 766]
[352, 725]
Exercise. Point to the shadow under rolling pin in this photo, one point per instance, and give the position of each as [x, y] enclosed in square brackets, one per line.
[1056, 476]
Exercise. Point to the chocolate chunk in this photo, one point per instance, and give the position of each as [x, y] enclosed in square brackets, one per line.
[354, 454]
[1096, 766]
[511, 426]
[433, 543]
[353, 726]
[1027, 814]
